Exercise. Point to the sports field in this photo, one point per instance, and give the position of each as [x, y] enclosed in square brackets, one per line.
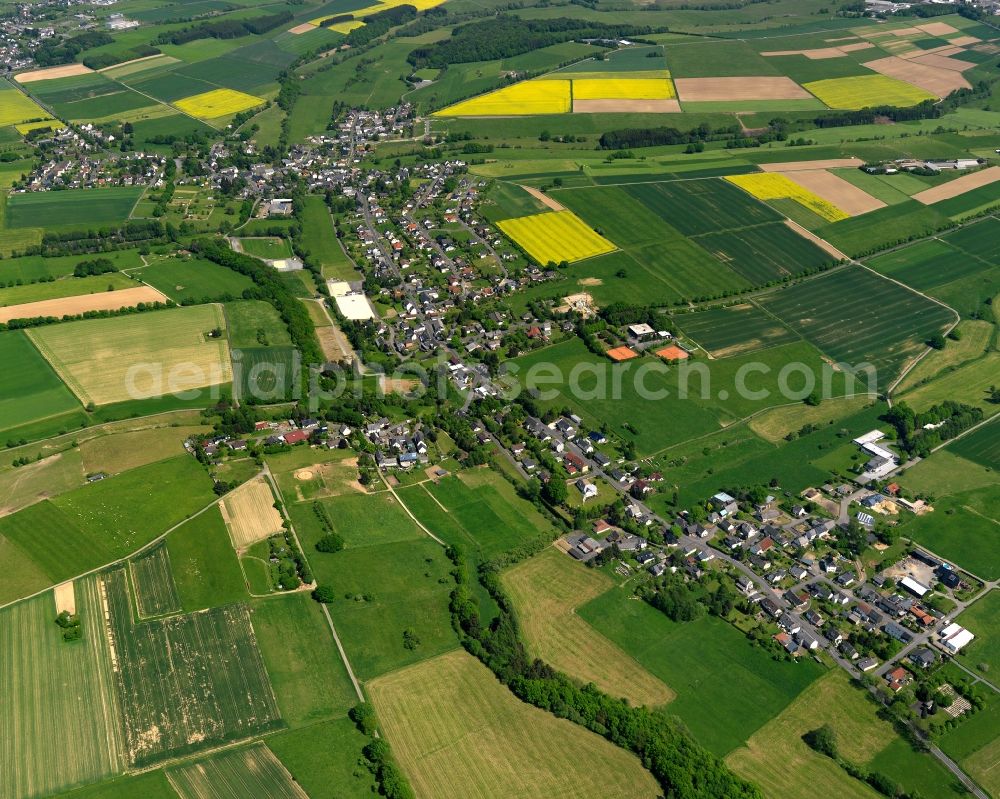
[60, 724]
[138, 356]
[153, 582]
[248, 771]
[867, 91]
[217, 103]
[522, 99]
[33, 391]
[555, 236]
[775, 186]
[459, 734]
[73, 208]
[266, 247]
[185, 682]
[855, 317]
[546, 591]
[250, 514]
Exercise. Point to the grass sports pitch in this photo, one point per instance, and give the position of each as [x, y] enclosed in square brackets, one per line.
[555, 236]
[94, 356]
[458, 733]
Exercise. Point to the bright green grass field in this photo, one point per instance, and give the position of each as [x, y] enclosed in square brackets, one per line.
[103, 521]
[307, 674]
[726, 686]
[324, 759]
[190, 280]
[204, 564]
[65, 287]
[254, 323]
[983, 619]
[320, 240]
[73, 208]
[150, 785]
[981, 446]
[408, 585]
[35, 267]
[266, 247]
[32, 391]
[365, 520]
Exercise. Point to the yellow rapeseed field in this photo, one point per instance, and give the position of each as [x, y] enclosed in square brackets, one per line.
[359, 13]
[556, 236]
[217, 103]
[27, 127]
[16, 107]
[775, 186]
[623, 89]
[522, 99]
[866, 91]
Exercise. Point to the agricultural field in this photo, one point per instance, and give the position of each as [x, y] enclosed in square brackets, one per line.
[555, 236]
[17, 108]
[60, 722]
[267, 248]
[305, 474]
[320, 241]
[726, 687]
[119, 452]
[254, 323]
[866, 91]
[95, 357]
[888, 329]
[248, 771]
[107, 520]
[457, 732]
[217, 103]
[981, 446]
[178, 678]
[188, 281]
[778, 760]
[982, 619]
[734, 329]
[153, 582]
[362, 520]
[73, 208]
[546, 591]
[775, 186]
[527, 98]
[250, 514]
[32, 392]
[57, 289]
[203, 563]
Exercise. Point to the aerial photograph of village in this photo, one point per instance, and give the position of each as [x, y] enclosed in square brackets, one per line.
[499, 399]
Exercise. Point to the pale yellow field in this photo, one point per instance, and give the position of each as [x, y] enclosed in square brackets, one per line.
[250, 514]
[358, 13]
[139, 356]
[774, 186]
[546, 590]
[27, 127]
[521, 99]
[346, 27]
[458, 733]
[866, 91]
[16, 107]
[623, 89]
[556, 236]
[217, 103]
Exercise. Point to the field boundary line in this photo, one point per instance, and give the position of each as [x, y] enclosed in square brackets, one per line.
[70, 382]
[409, 513]
[423, 485]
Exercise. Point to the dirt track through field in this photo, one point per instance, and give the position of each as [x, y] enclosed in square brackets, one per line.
[958, 186]
[64, 71]
[799, 166]
[823, 244]
[937, 81]
[543, 198]
[72, 306]
[619, 106]
[765, 87]
[847, 197]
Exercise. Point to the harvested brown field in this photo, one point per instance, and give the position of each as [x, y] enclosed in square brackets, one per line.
[963, 41]
[72, 306]
[63, 71]
[822, 53]
[765, 87]
[590, 281]
[943, 61]
[937, 28]
[305, 27]
[65, 597]
[937, 81]
[619, 106]
[250, 514]
[958, 186]
[543, 198]
[397, 385]
[851, 48]
[823, 244]
[827, 163]
[334, 344]
[847, 197]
